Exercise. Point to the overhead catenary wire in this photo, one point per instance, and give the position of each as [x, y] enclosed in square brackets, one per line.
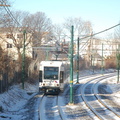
[101, 31]
[90, 36]
[10, 14]
[13, 18]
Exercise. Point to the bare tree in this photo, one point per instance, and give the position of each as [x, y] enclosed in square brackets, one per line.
[12, 29]
[117, 37]
[6, 70]
[81, 27]
[40, 26]
[3, 5]
[59, 33]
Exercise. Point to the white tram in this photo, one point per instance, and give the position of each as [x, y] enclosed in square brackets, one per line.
[53, 76]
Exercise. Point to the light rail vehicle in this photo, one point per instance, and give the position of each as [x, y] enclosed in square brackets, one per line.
[53, 76]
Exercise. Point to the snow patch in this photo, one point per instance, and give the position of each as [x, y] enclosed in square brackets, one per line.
[13, 101]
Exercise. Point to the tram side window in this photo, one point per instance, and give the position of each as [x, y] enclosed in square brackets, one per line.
[61, 76]
[40, 76]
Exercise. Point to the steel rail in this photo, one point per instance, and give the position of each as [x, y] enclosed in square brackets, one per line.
[103, 103]
[58, 107]
[84, 99]
[40, 108]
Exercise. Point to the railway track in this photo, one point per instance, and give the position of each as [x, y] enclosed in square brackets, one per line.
[93, 102]
[50, 109]
[110, 106]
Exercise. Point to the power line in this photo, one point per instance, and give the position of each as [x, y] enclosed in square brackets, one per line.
[101, 31]
[97, 34]
[10, 14]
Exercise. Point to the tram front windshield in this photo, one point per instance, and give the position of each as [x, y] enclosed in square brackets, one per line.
[51, 73]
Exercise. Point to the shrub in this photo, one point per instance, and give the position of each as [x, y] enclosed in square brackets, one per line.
[110, 62]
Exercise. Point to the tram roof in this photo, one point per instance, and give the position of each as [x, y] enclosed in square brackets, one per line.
[51, 63]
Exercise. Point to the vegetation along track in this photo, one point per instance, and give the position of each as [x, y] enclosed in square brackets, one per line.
[92, 102]
[49, 108]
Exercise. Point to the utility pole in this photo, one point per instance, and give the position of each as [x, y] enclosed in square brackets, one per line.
[118, 64]
[102, 67]
[46, 55]
[71, 65]
[23, 59]
[78, 61]
[92, 53]
[93, 59]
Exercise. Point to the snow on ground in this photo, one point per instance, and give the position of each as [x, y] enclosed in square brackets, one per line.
[114, 87]
[13, 101]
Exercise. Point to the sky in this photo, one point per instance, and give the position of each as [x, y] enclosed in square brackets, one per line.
[101, 13]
